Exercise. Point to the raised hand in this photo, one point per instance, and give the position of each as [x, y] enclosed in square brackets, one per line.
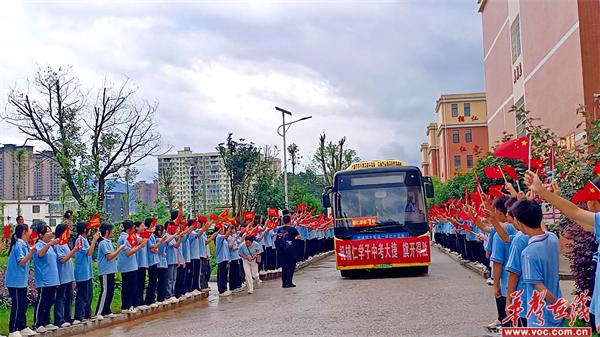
[533, 182]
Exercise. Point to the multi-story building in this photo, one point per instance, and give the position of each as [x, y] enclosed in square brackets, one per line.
[199, 179]
[25, 175]
[544, 57]
[116, 202]
[146, 192]
[458, 138]
[33, 211]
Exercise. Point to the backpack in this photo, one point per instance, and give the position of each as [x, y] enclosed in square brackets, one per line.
[282, 240]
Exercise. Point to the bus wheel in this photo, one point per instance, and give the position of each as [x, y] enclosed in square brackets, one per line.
[347, 273]
[421, 270]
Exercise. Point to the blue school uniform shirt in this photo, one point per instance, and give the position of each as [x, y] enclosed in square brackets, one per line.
[66, 274]
[269, 238]
[142, 255]
[194, 245]
[255, 248]
[153, 258]
[595, 305]
[17, 275]
[185, 248]
[83, 262]
[172, 252]
[540, 265]
[233, 252]
[500, 251]
[202, 246]
[106, 266]
[126, 263]
[222, 249]
[518, 242]
[162, 257]
[488, 246]
[46, 267]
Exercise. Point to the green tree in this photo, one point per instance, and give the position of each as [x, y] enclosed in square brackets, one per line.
[295, 156]
[333, 157]
[166, 183]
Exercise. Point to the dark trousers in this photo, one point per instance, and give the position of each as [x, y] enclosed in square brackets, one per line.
[234, 274]
[271, 263]
[180, 281]
[222, 270]
[63, 303]
[501, 308]
[141, 285]
[196, 274]
[162, 284]
[46, 296]
[288, 266]
[152, 284]
[204, 272]
[128, 289]
[18, 309]
[107, 291]
[83, 300]
[189, 274]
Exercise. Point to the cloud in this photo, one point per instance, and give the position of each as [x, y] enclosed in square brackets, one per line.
[370, 71]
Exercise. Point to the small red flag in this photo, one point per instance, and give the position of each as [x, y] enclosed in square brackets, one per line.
[64, 238]
[33, 237]
[172, 229]
[214, 217]
[514, 149]
[219, 225]
[496, 191]
[132, 239]
[254, 231]
[225, 213]
[94, 222]
[249, 216]
[511, 172]
[466, 228]
[232, 221]
[154, 223]
[273, 212]
[178, 219]
[597, 169]
[588, 193]
[493, 172]
[7, 231]
[146, 234]
[271, 224]
[79, 244]
[537, 164]
[464, 216]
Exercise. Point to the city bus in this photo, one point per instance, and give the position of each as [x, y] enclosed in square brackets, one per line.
[380, 217]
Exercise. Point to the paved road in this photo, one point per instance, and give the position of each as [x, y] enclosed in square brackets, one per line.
[450, 301]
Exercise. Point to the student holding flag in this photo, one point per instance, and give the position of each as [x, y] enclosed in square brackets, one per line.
[83, 272]
[153, 246]
[142, 265]
[107, 268]
[172, 256]
[221, 236]
[45, 263]
[66, 276]
[127, 266]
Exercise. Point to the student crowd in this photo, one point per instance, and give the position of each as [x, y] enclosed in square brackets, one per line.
[158, 264]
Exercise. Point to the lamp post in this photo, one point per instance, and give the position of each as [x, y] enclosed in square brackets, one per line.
[284, 127]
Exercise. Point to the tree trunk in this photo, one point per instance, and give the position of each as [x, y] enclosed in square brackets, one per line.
[101, 194]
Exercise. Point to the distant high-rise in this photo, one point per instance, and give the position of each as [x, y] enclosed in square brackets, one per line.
[199, 179]
[146, 192]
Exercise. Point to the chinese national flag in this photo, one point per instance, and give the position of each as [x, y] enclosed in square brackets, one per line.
[146, 234]
[7, 231]
[249, 216]
[94, 222]
[254, 231]
[224, 214]
[214, 217]
[511, 172]
[464, 216]
[154, 222]
[232, 221]
[496, 191]
[537, 164]
[33, 237]
[597, 169]
[64, 238]
[219, 225]
[588, 193]
[514, 149]
[273, 212]
[132, 239]
[493, 172]
[79, 244]
[466, 228]
[271, 224]
[202, 219]
[172, 229]
[179, 218]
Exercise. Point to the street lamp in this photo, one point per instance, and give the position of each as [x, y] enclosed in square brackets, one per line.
[282, 130]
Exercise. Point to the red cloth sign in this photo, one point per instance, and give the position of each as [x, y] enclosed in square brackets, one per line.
[382, 251]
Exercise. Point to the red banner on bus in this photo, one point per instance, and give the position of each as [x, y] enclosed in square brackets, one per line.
[382, 251]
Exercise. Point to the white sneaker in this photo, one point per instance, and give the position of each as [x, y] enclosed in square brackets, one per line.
[51, 327]
[111, 315]
[14, 334]
[238, 290]
[205, 290]
[489, 282]
[76, 322]
[41, 329]
[196, 292]
[28, 332]
[188, 295]
[173, 300]
[249, 292]
[225, 294]
[494, 325]
[65, 325]
[127, 311]
[154, 305]
[99, 317]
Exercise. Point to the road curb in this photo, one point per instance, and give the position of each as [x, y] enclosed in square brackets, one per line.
[468, 265]
[120, 318]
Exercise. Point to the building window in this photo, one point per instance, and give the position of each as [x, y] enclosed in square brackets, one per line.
[456, 162]
[515, 39]
[469, 161]
[35, 209]
[454, 110]
[467, 109]
[468, 136]
[455, 137]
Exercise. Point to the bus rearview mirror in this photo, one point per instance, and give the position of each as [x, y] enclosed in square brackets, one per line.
[326, 197]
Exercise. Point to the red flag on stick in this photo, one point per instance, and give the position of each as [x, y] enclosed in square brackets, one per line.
[154, 222]
[94, 222]
[249, 216]
[273, 212]
[202, 219]
[214, 217]
[146, 234]
[7, 231]
[479, 188]
[511, 172]
[33, 237]
[132, 239]
[514, 149]
[496, 191]
[64, 238]
[588, 193]
[179, 219]
[597, 169]
[79, 244]
[493, 172]
[172, 229]
[224, 214]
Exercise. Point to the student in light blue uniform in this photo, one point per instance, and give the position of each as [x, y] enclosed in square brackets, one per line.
[235, 282]
[142, 262]
[203, 257]
[192, 263]
[127, 266]
[66, 275]
[222, 253]
[249, 251]
[172, 250]
[183, 258]
[17, 274]
[152, 251]
[45, 263]
[107, 268]
[162, 267]
[83, 272]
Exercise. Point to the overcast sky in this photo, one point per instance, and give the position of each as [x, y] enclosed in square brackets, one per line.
[367, 70]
